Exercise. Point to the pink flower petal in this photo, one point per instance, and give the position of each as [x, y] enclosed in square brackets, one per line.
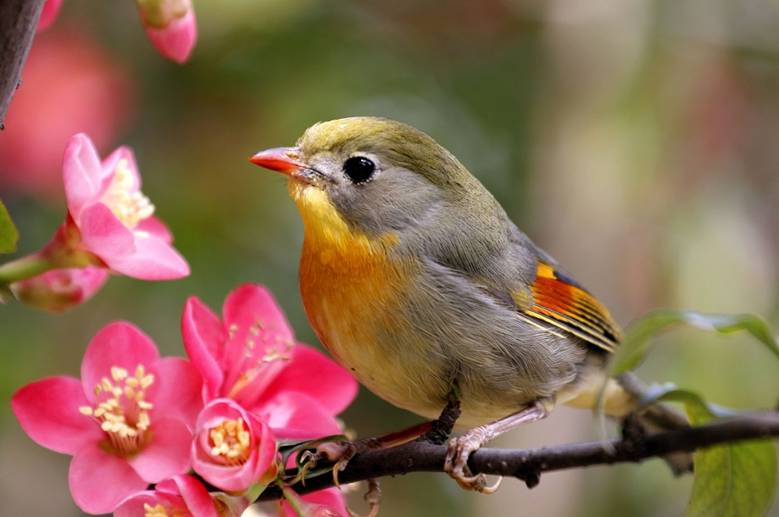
[311, 372]
[104, 234]
[258, 328]
[48, 412]
[179, 389]
[133, 506]
[155, 227]
[239, 477]
[49, 13]
[177, 40]
[168, 452]
[154, 259]
[296, 415]
[99, 481]
[195, 495]
[117, 344]
[203, 334]
[82, 174]
[331, 499]
[252, 304]
[112, 160]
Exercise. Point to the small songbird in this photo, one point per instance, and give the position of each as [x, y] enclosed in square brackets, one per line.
[414, 278]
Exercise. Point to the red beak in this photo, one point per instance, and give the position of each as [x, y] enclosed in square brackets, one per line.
[281, 159]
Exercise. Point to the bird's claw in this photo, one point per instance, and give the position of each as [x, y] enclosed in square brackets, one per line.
[372, 497]
[456, 465]
[338, 453]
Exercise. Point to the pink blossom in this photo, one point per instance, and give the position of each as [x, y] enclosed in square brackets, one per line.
[251, 356]
[49, 13]
[324, 503]
[113, 217]
[60, 289]
[171, 27]
[232, 449]
[181, 496]
[69, 84]
[127, 422]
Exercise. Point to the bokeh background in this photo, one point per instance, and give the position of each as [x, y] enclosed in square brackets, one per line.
[634, 140]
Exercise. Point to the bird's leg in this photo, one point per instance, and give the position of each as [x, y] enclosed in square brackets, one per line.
[461, 447]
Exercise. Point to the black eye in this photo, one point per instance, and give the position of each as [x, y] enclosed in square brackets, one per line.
[359, 169]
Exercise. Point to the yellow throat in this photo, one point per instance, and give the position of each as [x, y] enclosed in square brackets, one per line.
[349, 282]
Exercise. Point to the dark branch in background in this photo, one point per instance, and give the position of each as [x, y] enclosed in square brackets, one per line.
[528, 464]
[18, 21]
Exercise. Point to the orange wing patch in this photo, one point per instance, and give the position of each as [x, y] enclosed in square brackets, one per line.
[561, 302]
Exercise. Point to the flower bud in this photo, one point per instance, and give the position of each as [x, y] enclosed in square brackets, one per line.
[171, 27]
[60, 289]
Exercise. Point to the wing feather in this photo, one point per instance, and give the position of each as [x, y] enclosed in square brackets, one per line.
[561, 302]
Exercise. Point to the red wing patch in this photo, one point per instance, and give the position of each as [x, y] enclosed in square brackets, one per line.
[561, 302]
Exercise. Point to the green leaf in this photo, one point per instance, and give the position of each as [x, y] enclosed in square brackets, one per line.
[636, 344]
[733, 480]
[8, 233]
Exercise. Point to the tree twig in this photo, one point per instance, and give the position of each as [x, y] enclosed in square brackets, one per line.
[18, 21]
[528, 464]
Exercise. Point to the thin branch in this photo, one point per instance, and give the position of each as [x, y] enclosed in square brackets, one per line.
[528, 464]
[18, 21]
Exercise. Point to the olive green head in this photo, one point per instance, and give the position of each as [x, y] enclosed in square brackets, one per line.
[379, 175]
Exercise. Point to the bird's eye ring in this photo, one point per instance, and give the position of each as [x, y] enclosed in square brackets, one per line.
[359, 169]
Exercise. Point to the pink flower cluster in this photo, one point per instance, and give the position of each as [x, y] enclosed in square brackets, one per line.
[109, 226]
[135, 418]
[170, 25]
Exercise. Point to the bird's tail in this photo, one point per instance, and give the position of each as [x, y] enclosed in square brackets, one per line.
[621, 400]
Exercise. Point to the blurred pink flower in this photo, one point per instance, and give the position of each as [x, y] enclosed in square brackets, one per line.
[251, 357]
[113, 218]
[49, 13]
[60, 289]
[232, 449]
[324, 503]
[127, 422]
[182, 496]
[171, 27]
[69, 84]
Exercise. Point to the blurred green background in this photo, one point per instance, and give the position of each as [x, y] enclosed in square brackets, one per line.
[636, 141]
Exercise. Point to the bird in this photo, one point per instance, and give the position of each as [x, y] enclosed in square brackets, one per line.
[414, 278]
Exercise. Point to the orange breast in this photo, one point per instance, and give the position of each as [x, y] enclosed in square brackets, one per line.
[350, 292]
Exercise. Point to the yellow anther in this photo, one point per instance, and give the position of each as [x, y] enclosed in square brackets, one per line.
[118, 374]
[230, 442]
[147, 381]
[130, 207]
[154, 511]
[124, 413]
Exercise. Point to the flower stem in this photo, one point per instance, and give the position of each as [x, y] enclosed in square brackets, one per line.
[298, 506]
[24, 268]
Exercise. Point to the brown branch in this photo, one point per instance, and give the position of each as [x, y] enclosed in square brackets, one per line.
[528, 464]
[18, 21]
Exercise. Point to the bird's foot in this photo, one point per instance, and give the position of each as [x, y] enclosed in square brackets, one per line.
[338, 453]
[372, 497]
[460, 448]
[456, 463]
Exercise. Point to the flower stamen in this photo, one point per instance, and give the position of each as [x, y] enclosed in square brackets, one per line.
[128, 205]
[159, 510]
[230, 442]
[123, 414]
